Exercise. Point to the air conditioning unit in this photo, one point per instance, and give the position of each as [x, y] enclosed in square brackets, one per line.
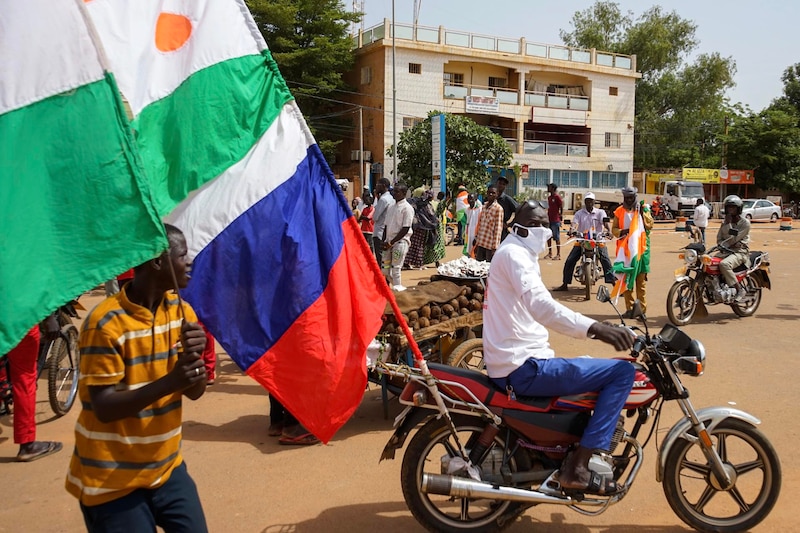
[354, 155]
[577, 200]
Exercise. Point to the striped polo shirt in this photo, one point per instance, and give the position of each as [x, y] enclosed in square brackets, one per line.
[126, 345]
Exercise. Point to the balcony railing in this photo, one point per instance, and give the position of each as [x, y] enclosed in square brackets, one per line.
[558, 101]
[459, 92]
[511, 96]
[551, 148]
[442, 36]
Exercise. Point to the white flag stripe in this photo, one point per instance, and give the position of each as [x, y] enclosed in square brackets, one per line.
[271, 162]
[45, 49]
[127, 29]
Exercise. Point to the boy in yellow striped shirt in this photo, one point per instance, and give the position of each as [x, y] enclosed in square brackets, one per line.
[140, 353]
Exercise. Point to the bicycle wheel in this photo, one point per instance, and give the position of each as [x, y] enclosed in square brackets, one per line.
[63, 371]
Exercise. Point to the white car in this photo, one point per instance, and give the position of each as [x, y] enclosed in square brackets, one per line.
[760, 210]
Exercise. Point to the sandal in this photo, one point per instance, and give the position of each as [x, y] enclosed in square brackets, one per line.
[275, 430]
[304, 439]
[48, 449]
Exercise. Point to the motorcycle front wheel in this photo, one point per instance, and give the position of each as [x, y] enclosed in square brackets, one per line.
[681, 302]
[588, 277]
[749, 304]
[426, 454]
[697, 498]
[63, 371]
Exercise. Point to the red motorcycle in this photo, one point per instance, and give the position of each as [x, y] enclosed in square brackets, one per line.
[699, 282]
[481, 458]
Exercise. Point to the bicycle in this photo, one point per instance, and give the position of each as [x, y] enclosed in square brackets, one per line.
[60, 357]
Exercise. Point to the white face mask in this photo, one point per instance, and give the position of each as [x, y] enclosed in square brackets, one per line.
[537, 238]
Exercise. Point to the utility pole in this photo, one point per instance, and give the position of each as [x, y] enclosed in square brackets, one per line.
[394, 104]
[725, 145]
[361, 146]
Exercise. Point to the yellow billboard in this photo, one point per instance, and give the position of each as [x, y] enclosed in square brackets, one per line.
[702, 175]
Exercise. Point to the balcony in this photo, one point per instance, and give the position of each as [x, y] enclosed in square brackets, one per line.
[502, 45]
[459, 92]
[557, 101]
[555, 149]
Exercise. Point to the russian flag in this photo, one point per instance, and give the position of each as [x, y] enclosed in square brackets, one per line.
[282, 276]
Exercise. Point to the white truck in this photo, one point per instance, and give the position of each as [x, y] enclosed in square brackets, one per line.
[678, 195]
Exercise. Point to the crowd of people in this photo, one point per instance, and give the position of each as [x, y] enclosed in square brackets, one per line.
[143, 349]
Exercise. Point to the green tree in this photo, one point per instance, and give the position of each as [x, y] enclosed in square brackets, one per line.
[310, 41]
[469, 147]
[680, 106]
[769, 141]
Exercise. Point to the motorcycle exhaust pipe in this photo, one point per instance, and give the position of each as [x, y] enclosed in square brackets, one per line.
[459, 487]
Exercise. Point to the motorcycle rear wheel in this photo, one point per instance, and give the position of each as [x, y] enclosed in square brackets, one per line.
[443, 513]
[749, 458]
[749, 305]
[681, 302]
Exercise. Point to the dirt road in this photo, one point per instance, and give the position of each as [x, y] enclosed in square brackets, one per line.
[249, 483]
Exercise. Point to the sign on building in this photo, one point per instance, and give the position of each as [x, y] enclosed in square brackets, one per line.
[485, 105]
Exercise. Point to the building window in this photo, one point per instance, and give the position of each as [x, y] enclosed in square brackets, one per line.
[609, 180]
[500, 83]
[613, 91]
[415, 68]
[454, 79]
[410, 122]
[537, 178]
[366, 75]
[612, 140]
[571, 178]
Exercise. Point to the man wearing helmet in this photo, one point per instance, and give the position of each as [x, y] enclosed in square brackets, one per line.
[736, 251]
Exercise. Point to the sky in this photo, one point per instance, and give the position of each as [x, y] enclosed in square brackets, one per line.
[761, 36]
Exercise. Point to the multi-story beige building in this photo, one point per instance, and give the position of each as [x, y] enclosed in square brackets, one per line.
[566, 113]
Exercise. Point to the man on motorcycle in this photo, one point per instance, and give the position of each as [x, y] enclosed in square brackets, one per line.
[517, 310]
[594, 222]
[736, 251]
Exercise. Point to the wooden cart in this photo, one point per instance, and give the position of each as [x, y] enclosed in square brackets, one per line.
[455, 341]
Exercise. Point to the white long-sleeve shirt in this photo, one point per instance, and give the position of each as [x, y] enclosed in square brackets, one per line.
[518, 309]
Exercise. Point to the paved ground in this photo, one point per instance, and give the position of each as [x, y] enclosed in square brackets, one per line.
[249, 483]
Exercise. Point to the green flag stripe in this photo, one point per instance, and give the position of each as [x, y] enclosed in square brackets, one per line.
[208, 124]
[76, 209]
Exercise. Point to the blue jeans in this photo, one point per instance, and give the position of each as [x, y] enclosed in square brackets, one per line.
[174, 506]
[555, 228]
[611, 379]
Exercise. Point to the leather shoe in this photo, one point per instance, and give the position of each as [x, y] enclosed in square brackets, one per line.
[561, 288]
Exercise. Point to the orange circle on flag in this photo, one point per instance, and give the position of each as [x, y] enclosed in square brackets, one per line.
[172, 31]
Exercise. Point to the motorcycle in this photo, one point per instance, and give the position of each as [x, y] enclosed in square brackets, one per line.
[661, 212]
[483, 456]
[699, 283]
[589, 269]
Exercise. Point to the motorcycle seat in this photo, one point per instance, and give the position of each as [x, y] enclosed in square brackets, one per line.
[485, 389]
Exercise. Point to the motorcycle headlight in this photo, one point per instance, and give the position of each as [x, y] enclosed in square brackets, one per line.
[693, 360]
[690, 256]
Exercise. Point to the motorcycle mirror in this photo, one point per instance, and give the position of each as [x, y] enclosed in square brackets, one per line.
[602, 294]
[567, 222]
[606, 219]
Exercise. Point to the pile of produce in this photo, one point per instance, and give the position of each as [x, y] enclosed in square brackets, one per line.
[466, 298]
[464, 267]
